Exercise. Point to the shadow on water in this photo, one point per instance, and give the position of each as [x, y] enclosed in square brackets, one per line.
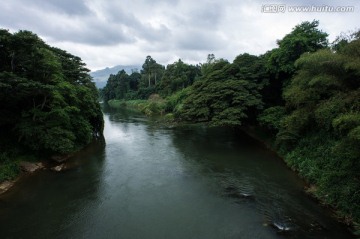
[47, 204]
[246, 173]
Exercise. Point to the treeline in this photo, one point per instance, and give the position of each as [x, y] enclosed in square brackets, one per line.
[48, 102]
[153, 78]
[305, 93]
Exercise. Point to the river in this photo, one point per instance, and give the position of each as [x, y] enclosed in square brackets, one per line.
[152, 181]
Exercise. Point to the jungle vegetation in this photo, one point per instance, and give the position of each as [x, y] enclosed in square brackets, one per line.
[304, 93]
[48, 102]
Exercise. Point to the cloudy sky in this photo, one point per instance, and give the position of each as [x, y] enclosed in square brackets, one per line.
[123, 32]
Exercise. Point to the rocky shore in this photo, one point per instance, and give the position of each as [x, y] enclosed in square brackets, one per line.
[57, 165]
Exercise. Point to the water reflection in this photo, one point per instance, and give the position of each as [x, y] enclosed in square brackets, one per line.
[248, 174]
[153, 182]
[47, 204]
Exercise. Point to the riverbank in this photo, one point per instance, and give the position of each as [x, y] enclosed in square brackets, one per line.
[154, 106]
[11, 162]
[311, 189]
[23, 166]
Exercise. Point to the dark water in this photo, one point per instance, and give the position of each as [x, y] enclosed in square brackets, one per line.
[150, 181]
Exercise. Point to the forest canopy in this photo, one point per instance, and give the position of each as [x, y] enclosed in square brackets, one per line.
[48, 102]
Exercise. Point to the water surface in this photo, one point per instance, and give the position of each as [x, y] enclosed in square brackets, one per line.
[152, 181]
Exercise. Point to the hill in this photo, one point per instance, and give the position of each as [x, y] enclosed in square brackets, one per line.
[101, 76]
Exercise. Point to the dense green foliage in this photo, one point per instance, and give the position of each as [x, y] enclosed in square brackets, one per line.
[155, 105]
[227, 93]
[153, 79]
[8, 168]
[305, 37]
[48, 103]
[122, 86]
[178, 76]
[305, 93]
[321, 130]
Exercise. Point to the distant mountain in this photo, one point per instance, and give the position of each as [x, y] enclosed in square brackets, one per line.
[101, 76]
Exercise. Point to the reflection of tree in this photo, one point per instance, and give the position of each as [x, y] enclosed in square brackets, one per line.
[48, 204]
[243, 171]
[210, 141]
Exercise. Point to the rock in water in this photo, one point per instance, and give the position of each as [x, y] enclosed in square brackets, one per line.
[6, 185]
[30, 167]
[58, 168]
[60, 158]
[282, 227]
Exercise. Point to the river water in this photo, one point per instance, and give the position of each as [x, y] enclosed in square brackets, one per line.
[152, 181]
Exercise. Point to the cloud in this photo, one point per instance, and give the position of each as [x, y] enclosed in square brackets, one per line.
[69, 7]
[53, 22]
[107, 33]
[199, 40]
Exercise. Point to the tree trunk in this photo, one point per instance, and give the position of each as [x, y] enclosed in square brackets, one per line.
[12, 61]
[43, 104]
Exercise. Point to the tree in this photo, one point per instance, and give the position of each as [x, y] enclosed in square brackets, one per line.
[345, 38]
[6, 55]
[177, 76]
[227, 93]
[305, 37]
[48, 102]
[151, 71]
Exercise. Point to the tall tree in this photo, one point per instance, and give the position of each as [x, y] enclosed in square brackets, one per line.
[305, 37]
[151, 71]
[177, 76]
[227, 93]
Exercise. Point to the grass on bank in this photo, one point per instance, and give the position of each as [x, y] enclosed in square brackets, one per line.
[169, 107]
[9, 168]
[148, 107]
[10, 156]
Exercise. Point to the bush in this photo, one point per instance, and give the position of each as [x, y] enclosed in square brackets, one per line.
[169, 117]
[318, 159]
[9, 169]
[174, 102]
[271, 117]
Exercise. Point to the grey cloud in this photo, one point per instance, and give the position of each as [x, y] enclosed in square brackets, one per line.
[202, 15]
[167, 2]
[199, 40]
[167, 29]
[70, 7]
[136, 25]
[209, 16]
[95, 34]
[118, 14]
[152, 34]
[83, 29]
